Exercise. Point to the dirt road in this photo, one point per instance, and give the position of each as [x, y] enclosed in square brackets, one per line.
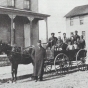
[77, 79]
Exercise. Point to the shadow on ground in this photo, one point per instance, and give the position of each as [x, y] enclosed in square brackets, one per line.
[53, 75]
[47, 76]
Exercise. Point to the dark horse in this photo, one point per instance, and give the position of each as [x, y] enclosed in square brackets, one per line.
[16, 57]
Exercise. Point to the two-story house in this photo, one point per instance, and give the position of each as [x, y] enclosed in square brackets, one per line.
[77, 19]
[19, 22]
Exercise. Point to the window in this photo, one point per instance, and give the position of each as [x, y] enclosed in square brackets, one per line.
[26, 4]
[71, 21]
[11, 3]
[83, 33]
[81, 20]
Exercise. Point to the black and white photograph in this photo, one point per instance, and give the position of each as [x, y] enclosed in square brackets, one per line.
[43, 43]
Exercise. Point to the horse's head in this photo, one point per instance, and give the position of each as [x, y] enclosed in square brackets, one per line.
[4, 47]
[28, 50]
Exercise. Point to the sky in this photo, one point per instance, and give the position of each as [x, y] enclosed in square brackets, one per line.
[57, 9]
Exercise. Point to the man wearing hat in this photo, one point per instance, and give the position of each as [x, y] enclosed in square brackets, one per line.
[39, 54]
[76, 35]
[52, 40]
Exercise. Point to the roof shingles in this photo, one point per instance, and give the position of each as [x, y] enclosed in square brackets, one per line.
[80, 10]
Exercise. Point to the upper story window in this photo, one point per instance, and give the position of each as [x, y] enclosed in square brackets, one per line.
[26, 4]
[11, 3]
[81, 20]
[71, 21]
[83, 33]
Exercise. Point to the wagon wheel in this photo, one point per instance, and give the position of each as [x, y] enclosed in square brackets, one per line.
[47, 66]
[81, 58]
[61, 63]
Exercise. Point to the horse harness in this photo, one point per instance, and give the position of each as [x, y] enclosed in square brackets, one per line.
[22, 53]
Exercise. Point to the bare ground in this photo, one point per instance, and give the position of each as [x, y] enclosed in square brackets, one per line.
[77, 79]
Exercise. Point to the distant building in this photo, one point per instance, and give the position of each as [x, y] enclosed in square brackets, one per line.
[19, 22]
[77, 19]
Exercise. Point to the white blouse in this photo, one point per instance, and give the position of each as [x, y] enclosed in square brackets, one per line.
[75, 46]
[70, 47]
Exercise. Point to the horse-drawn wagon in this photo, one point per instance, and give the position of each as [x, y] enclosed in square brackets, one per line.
[61, 60]
[65, 60]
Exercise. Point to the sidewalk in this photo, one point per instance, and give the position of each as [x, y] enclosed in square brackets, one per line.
[5, 72]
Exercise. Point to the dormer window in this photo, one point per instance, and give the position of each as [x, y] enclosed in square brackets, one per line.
[11, 3]
[26, 4]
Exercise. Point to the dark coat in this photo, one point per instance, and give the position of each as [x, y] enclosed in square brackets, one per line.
[52, 41]
[76, 36]
[82, 42]
[40, 54]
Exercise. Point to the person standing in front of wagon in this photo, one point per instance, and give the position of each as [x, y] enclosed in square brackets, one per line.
[40, 54]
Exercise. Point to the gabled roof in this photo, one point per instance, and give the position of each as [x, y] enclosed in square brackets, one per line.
[77, 11]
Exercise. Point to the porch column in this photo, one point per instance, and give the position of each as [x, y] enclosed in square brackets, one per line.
[12, 28]
[30, 19]
[46, 29]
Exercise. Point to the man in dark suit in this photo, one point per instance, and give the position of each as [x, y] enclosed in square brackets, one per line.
[52, 40]
[76, 35]
[39, 53]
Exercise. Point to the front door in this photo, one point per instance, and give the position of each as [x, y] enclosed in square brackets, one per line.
[27, 39]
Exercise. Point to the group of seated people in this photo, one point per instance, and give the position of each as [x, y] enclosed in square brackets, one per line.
[74, 42]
